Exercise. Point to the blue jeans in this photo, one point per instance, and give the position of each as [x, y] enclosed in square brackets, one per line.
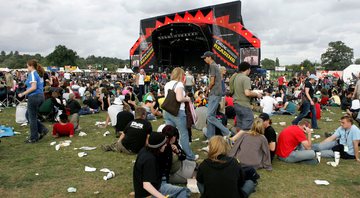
[299, 155]
[305, 108]
[33, 105]
[244, 117]
[325, 148]
[174, 191]
[212, 122]
[179, 122]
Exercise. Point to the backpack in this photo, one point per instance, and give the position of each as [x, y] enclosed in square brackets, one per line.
[232, 83]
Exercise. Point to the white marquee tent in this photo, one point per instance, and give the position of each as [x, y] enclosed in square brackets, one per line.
[350, 71]
[124, 70]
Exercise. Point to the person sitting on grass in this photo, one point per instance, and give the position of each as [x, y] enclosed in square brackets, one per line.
[269, 133]
[252, 148]
[222, 176]
[293, 145]
[135, 135]
[345, 140]
[63, 128]
[123, 118]
[173, 163]
[152, 113]
[147, 178]
[74, 106]
[335, 99]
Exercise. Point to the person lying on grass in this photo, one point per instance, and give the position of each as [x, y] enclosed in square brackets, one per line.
[63, 128]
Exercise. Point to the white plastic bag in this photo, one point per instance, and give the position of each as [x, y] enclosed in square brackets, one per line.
[20, 113]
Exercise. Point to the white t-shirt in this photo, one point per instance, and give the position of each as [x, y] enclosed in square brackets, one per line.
[82, 91]
[170, 85]
[141, 79]
[113, 110]
[267, 103]
[67, 76]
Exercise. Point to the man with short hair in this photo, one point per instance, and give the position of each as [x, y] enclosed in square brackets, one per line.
[293, 145]
[242, 96]
[214, 96]
[308, 103]
[189, 82]
[345, 140]
[135, 135]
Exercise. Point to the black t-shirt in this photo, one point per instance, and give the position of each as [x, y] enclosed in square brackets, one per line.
[122, 120]
[93, 104]
[135, 134]
[271, 137]
[74, 106]
[311, 90]
[146, 169]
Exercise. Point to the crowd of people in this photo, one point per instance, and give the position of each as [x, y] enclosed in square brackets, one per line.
[206, 103]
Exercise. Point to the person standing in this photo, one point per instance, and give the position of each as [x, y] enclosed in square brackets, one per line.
[189, 82]
[242, 96]
[140, 83]
[214, 91]
[179, 121]
[35, 93]
[308, 104]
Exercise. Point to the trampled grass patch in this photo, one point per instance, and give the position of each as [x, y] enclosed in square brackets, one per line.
[58, 170]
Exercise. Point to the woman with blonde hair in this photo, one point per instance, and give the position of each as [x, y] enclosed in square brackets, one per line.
[35, 95]
[220, 175]
[179, 121]
[252, 149]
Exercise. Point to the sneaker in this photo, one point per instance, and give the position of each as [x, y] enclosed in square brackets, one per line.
[43, 133]
[206, 149]
[228, 140]
[30, 141]
[196, 157]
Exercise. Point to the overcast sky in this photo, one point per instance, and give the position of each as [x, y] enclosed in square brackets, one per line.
[292, 30]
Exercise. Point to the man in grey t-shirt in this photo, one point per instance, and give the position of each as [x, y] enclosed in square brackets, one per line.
[214, 97]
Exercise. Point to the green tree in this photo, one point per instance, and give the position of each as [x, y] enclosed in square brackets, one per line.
[307, 65]
[62, 56]
[268, 64]
[357, 61]
[337, 57]
[277, 62]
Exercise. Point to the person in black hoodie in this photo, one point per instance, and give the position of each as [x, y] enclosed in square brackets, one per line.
[220, 175]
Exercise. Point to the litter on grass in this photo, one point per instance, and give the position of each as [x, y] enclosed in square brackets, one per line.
[82, 154]
[82, 134]
[106, 133]
[110, 175]
[105, 170]
[71, 190]
[87, 148]
[89, 169]
[192, 185]
[321, 182]
[52, 143]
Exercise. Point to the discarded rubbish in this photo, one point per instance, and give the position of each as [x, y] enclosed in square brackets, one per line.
[37, 174]
[82, 134]
[317, 136]
[89, 169]
[192, 185]
[109, 175]
[24, 124]
[87, 148]
[71, 190]
[57, 147]
[105, 170]
[96, 192]
[333, 164]
[196, 139]
[52, 143]
[106, 133]
[82, 154]
[282, 123]
[321, 182]
[17, 133]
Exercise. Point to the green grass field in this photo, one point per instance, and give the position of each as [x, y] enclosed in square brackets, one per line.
[58, 170]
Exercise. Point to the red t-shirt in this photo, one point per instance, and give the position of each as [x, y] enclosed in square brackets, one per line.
[229, 101]
[324, 100]
[281, 80]
[63, 129]
[288, 140]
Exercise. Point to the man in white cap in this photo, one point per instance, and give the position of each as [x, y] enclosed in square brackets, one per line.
[113, 110]
[307, 103]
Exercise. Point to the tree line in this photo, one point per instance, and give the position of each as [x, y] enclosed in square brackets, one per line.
[337, 57]
[61, 56]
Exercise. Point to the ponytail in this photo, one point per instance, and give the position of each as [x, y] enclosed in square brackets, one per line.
[34, 63]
